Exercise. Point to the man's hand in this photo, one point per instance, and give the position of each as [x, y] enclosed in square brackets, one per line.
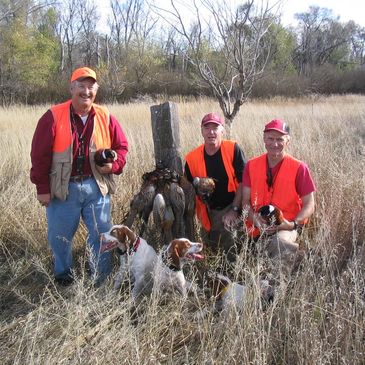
[44, 199]
[105, 169]
[285, 226]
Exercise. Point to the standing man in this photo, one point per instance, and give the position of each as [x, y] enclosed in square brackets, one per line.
[224, 161]
[278, 179]
[69, 183]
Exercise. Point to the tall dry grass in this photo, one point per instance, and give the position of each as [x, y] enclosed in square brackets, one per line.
[317, 319]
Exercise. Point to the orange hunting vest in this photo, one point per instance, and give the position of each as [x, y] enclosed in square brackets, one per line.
[282, 194]
[62, 149]
[195, 160]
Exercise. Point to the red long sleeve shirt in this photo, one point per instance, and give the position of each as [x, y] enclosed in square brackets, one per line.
[42, 144]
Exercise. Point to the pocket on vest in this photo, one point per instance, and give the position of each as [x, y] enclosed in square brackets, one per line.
[111, 183]
[59, 178]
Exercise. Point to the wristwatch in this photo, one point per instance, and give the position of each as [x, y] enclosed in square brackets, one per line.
[235, 208]
[295, 225]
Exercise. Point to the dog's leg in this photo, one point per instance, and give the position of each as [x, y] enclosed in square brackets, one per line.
[193, 288]
[180, 285]
[137, 289]
[142, 287]
[121, 272]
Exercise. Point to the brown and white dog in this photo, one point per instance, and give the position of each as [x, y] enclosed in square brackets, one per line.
[135, 254]
[231, 295]
[168, 274]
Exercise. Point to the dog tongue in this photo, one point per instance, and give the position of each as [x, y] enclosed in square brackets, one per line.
[106, 246]
[198, 256]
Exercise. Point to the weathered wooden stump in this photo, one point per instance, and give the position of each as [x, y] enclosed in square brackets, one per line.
[165, 191]
[166, 136]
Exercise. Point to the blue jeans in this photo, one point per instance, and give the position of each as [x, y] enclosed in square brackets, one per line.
[86, 201]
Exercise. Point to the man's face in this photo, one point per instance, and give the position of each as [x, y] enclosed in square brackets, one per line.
[276, 143]
[212, 134]
[83, 93]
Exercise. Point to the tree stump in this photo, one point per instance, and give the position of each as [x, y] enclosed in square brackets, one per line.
[165, 191]
[166, 136]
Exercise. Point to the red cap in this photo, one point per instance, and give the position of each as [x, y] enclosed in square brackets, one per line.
[83, 72]
[212, 118]
[277, 125]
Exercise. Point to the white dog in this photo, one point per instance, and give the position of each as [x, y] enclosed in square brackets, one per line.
[230, 294]
[134, 252]
[168, 274]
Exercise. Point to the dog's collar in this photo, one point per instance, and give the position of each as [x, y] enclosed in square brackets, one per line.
[167, 261]
[136, 244]
[132, 249]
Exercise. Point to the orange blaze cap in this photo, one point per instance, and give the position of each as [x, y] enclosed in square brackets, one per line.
[83, 72]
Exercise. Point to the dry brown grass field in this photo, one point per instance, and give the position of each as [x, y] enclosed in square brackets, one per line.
[319, 318]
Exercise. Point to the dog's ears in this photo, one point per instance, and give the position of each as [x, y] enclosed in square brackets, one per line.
[125, 232]
[129, 233]
[176, 254]
[121, 234]
[179, 246]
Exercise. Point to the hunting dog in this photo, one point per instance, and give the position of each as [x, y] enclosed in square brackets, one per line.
[135, 255]
[231, 295]
[168, 274]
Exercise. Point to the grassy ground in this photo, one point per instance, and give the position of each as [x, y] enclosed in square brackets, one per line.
[318, 318]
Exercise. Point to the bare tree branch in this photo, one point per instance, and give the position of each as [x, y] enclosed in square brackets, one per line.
[229, 48]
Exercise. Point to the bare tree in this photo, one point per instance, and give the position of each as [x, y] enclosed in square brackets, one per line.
[88, 37]
[228, 47]
[124, 17]
[357, 42]
[12, 9]
[122, 25]
[322, 39]
[70, 27]
[131, 55]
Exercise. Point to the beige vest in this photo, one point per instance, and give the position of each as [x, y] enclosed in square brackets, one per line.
[62, 150]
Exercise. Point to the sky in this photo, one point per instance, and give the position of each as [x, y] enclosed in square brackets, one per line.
[346, 9]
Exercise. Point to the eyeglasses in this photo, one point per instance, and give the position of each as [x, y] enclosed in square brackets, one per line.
[87, 86]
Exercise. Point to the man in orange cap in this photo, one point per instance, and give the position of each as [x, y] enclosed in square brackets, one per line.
[278, 179]
[68, 181]
[222, 160]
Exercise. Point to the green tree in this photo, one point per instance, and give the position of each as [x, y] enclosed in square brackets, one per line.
[29, 52]
[283, 44]
[322, 39]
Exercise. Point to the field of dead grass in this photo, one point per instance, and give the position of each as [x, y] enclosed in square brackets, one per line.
[318, 319]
